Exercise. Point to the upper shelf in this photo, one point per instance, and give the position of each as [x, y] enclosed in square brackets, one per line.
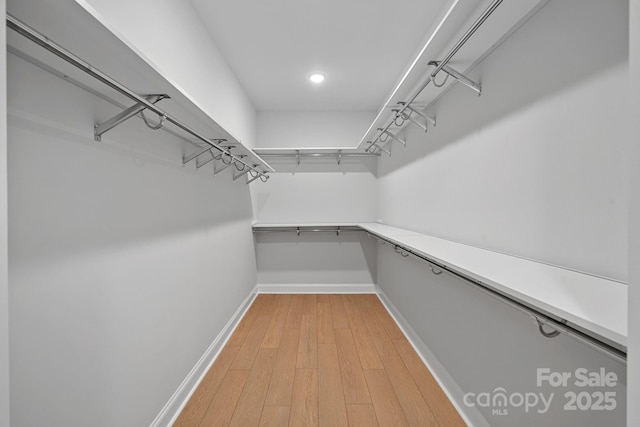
[70, 28]
[462, 40]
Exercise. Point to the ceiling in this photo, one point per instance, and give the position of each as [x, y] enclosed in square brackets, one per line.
[363, 46]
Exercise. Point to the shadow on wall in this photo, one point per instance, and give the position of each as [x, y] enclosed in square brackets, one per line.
[564, 44]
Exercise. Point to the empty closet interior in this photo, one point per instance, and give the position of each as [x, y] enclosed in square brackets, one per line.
[155, 189]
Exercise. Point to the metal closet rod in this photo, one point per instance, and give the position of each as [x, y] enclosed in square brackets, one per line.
[441, 64]
[43, 41]
[318, 155]
[312, 229]
[542, 319]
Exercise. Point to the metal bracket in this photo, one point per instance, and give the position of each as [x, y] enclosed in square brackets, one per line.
[298, 157]
[242, 173]
[251, 178]
[200, 163]
[381, 149]
[459, 76]
[418, 112]
[188, 158]
[101, 128]
[217, 170]
[393, 136]
[339, 159]
[554, 333]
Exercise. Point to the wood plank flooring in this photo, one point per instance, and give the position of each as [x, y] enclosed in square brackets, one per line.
[318, 360]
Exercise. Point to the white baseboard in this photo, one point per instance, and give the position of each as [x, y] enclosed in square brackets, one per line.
[470, 415]
[349, 288]
[177, 402]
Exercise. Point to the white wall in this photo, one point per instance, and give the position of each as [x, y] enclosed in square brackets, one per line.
[4, 278]
[535, 166]
[124, 266]
[316, 191]
[299, 129]
[319, 259]
[484, 344]
[172, 38]
[634, 213]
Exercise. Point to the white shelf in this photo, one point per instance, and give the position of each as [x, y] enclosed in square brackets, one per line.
[258, 226]
[592, 304]
[71, 27]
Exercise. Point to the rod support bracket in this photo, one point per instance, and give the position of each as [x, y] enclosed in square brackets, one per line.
[101, 128]
[553, 333]
[186, 159]
[459, 77]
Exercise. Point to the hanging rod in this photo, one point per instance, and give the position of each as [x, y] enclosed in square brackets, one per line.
[338, 155]
[43, 41]
[307, 229]
[439, 66]
[542, 319]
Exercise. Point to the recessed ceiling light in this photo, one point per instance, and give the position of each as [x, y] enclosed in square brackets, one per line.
[317, 77]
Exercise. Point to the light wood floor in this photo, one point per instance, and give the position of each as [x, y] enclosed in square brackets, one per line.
[309, 360]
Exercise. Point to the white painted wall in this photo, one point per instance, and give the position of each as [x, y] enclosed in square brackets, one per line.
[124, 266]
[319, 259]
[316, 191]
[4, 276]
[484, 344]
[633, 150]
[299, 129]
[170, 36]
[536, 166]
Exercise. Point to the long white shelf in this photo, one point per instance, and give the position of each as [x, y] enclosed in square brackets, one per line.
[590, 304]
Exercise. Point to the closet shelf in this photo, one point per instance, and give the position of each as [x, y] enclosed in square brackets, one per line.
[591, 309]
[330, 153]
[200, 148]
[413, 99]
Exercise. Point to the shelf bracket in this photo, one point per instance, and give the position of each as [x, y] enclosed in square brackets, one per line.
[374, 146]
[251, 178]
[459, 77]
[339, 156]
[217, 170]
[243, 172]
[406, 116]
[101, 128]
[553, 333]
[393, 136]
[188, 158]
[418, 113]
[298, 157]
